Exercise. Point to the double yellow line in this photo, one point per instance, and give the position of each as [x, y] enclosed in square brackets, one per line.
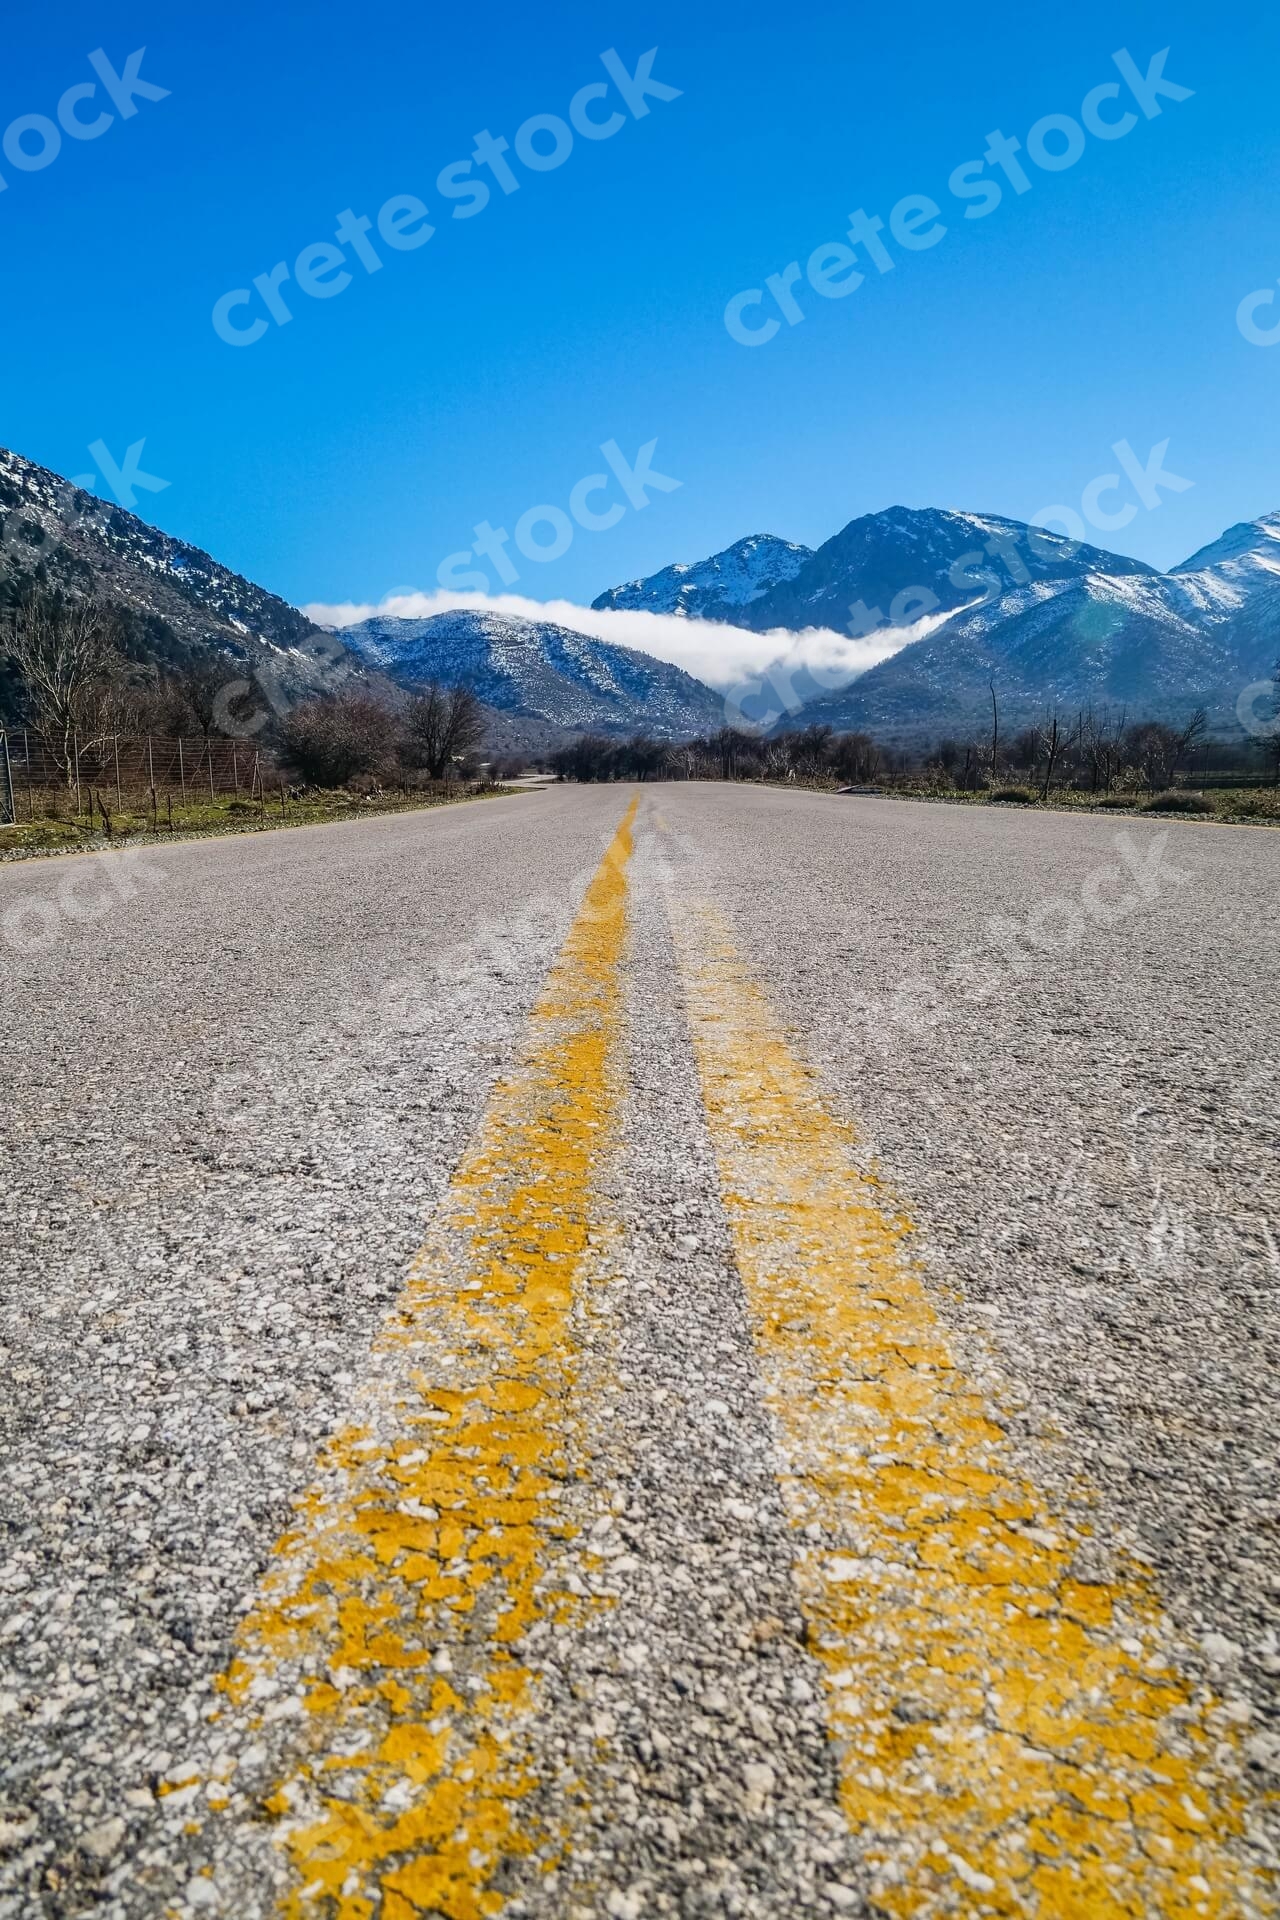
[427, 1546]
[1010, 1741]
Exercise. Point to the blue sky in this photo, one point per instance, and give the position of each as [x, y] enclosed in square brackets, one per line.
[343, 456]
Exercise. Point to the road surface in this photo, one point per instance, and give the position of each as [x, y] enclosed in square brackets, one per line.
[685, 1351]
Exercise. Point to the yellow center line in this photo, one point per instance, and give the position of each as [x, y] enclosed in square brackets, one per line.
[1011, 1740]
[426, 1548]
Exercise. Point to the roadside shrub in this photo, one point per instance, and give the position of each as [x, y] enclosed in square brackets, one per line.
[329, 741]
[1174, 800]
[1012, 796]
[1117, 800]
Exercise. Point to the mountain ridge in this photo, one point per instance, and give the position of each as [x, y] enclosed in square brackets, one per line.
[978, 597]
[1051, 621]
[177, 602]
[540, 669]
[710, 589]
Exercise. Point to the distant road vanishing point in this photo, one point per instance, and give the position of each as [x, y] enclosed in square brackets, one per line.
[689, 1350]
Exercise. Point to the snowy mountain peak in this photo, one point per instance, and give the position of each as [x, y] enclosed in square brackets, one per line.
[1247, 539]
[895, 565]
[714, 589]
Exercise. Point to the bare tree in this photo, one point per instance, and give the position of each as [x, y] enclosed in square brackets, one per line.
[810, 750]
[856, 758]
[1155, 749]
[424, 731]
[199, 686]
[1102, 743]
[1052, 742]
[1189, 739]
[65, 655]
[464, 725]
[333, 739]
[442, 726]
[995, 730]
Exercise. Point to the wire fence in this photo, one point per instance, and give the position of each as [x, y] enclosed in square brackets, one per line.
[39, 779]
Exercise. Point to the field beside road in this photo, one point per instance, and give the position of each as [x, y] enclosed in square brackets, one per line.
[688, 1350]
[52, 825]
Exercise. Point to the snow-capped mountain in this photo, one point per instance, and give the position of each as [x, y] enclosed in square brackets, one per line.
[1049, 621]
[1156, 645]
[715, 589]
[1235, 584]
[1103, 640]
[537, 668]
[883, 568]
[908, 561]
[176, 600]
[1255, 543]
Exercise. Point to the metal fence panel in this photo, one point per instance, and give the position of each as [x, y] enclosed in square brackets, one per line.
[33, 775]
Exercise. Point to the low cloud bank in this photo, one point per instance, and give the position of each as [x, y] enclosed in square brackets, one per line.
[725, 657]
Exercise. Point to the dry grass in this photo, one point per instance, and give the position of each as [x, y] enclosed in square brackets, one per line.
[132, 825]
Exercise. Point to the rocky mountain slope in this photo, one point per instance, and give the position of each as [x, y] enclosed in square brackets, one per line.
[1051, 622]
[539, 669]
[896, 566]
[540, 683]
[720, 588]
[990, 599]
[1157, 645]
[883, 568]
[177, 601]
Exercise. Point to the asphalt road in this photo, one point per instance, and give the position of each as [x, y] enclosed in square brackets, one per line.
[715, 1361]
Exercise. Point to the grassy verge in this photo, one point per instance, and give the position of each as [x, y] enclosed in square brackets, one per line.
[132, 825]
[1230, 806]
[1227, 806]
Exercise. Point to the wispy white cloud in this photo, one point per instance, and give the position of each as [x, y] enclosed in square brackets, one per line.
[725, 657]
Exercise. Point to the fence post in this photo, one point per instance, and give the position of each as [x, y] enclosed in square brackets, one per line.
[235, 772]
[151, 766]
[208, 747]
[31, 791]
[75, 737]
[182, 775]
[8, 779]
[119, 795]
